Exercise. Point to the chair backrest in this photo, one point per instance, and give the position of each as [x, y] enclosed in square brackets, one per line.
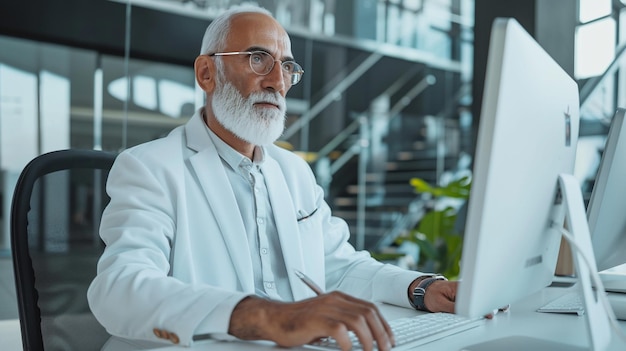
[55, 216]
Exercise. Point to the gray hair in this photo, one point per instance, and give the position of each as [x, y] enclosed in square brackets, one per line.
[216, 33]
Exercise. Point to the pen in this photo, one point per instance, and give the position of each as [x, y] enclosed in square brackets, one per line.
[310, 283]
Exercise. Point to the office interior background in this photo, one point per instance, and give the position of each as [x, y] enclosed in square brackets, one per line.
[391, 91]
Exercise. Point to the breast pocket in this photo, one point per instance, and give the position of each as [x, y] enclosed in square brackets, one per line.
[312, 236]
[303, 216]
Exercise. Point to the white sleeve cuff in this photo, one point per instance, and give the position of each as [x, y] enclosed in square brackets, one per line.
[391, 285]
[215, 324]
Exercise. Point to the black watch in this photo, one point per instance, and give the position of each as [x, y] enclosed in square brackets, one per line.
[420, 291]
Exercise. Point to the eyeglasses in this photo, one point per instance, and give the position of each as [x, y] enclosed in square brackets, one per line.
[262, 64]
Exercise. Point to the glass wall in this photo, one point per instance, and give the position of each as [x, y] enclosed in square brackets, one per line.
[51, 95]
[599, 67]
[595, 38]
[56, 97]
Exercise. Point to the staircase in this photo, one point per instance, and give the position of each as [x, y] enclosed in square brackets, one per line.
[391, 204]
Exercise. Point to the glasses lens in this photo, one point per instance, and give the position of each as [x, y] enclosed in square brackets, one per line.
[293, 71]
[261, 62]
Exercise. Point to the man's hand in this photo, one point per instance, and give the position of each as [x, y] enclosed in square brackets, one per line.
[328, 315]
[441, 295]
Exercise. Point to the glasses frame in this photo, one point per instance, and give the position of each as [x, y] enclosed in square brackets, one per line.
[295, 75]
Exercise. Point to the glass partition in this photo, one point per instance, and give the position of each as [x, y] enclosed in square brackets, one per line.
[56, 97]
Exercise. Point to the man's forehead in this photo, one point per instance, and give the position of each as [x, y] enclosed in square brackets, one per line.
[251, 29]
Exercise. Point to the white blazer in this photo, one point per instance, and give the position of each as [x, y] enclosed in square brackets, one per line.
[176, 261]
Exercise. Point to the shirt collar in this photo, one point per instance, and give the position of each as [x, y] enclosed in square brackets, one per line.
[232, 156]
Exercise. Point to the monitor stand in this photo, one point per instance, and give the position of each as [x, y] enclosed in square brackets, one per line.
[596, 316]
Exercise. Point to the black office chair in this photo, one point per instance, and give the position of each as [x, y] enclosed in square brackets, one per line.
[55, 215]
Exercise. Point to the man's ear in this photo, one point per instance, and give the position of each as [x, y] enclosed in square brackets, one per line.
[205, 70]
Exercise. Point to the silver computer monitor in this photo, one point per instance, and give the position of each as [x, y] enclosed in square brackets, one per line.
[528, 131]
[606, 211]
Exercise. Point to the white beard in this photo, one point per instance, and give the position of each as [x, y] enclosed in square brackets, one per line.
[258, 126]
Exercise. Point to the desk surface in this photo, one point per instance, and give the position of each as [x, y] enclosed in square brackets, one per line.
[569, 331]
[522, 320]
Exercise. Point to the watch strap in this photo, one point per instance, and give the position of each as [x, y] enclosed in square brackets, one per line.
[420, 291]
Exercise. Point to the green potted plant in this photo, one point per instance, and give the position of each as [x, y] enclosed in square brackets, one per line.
[437, 234]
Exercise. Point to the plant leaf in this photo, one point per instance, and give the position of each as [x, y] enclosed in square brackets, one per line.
[420, 185]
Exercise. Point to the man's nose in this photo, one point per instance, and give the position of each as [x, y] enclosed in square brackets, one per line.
[276, 78]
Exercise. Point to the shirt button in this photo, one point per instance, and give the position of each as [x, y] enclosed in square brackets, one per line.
[268, 285]
[264, 251]
[260, 220]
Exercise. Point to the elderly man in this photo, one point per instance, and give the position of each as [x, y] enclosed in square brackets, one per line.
[208, 226]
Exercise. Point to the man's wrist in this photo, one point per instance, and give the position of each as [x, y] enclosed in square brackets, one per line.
[417, 290]
[248, 320]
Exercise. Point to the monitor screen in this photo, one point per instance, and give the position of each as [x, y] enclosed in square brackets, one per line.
[527, 136]
[607, 205]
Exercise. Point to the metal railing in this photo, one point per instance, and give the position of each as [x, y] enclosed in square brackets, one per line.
[595, 85]
[417, 207]
[325, 169]
[338, 86]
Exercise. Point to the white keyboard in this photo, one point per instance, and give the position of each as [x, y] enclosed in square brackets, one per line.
[570, 302]
[415, 331]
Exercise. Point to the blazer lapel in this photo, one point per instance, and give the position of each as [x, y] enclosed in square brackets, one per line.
[286, 224]
[211, 175]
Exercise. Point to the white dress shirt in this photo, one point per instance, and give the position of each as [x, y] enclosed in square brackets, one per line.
[248, 183]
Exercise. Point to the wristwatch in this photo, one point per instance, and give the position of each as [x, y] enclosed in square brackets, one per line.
[420, 291]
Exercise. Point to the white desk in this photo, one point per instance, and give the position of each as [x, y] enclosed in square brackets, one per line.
[521, 320]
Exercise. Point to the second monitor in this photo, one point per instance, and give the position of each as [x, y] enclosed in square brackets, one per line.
[607, 219]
